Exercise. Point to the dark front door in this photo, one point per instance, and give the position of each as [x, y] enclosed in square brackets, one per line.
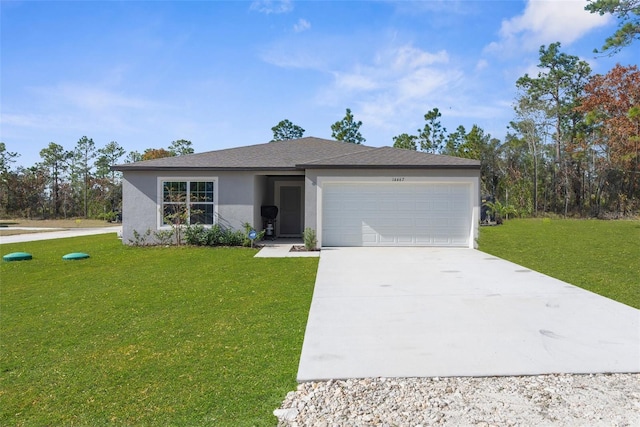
[290, 221]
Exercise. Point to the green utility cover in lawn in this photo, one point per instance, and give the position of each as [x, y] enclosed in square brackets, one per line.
[75, 255]
[17, 256]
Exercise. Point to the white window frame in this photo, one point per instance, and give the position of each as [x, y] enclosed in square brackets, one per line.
[188, 179]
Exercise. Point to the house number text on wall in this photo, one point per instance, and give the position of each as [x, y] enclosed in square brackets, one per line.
[397, 179]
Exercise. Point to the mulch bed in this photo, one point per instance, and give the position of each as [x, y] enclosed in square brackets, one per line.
[301, 248]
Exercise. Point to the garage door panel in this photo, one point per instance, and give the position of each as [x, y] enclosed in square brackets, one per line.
[398, 214]
[405, 240]
[425, 205]
[346, 239]
[404, 205]
[369, 239]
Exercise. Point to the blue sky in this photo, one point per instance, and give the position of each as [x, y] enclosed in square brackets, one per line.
[221, 74]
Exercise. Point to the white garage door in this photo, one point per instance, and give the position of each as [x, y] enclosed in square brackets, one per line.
[396, 214]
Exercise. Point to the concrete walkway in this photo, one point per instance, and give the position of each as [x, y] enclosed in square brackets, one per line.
[282, 248]
[424, 312]
[46, 234]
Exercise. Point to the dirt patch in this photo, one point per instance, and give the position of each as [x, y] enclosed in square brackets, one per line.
[14, 232]
[14, 227]
[54, 223]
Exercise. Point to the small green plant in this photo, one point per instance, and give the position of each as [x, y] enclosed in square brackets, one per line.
[108, 216]
[164, 237]
[177, 215]
[140, 239]
[499, 211]
[213, 235]
[309, 238]
[232, 238]
[177, 220]
[247, 228]
[196, 235]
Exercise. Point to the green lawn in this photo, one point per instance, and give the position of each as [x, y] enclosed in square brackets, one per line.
[202, 336]
[148, 336]
[600, 256]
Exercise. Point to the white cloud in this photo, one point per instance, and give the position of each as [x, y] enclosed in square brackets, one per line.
[272, 6]
[78, 107]
[409, 57]
[482, 64]
[405, 71]
[21, 120]
[301, 25]
[355, 81]
[285, 58]
[423, 82]
[91, 97]
[395, 88]
[389, 88]
[544, 22]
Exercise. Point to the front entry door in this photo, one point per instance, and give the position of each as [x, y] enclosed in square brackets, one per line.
[289, 200]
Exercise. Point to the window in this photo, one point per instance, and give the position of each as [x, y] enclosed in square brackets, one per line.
[187, 201]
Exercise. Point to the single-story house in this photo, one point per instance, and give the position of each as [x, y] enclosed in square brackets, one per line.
[351, 195]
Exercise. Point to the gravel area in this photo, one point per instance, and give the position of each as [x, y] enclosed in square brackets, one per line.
[544, 400]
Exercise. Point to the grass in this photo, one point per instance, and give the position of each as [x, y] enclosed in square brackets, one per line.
[600, 256]
[148, 336]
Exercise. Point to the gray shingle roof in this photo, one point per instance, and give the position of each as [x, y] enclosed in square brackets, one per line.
[281, 155]
[388, 157]
[299, 154]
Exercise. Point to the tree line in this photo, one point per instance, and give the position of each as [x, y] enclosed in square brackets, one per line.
[71, 183]
[81, 182]
[573, 148]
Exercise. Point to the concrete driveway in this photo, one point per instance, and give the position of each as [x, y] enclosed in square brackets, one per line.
[424, 312]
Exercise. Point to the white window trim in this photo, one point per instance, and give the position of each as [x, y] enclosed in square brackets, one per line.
[160, 196]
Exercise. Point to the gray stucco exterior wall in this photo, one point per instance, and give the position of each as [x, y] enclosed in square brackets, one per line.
[236, 195]
[139, 204]
[239, 197]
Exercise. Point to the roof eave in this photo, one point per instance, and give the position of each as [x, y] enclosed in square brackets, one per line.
[390, 166]
[203, 168]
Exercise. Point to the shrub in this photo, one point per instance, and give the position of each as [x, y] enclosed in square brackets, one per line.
[110, 216]
[214, 235]
[196, 235]
[310, 239]
[164, 237]
[499, 211]
[247, 229]
[230, 237]
[140, 239]
[199, 235]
